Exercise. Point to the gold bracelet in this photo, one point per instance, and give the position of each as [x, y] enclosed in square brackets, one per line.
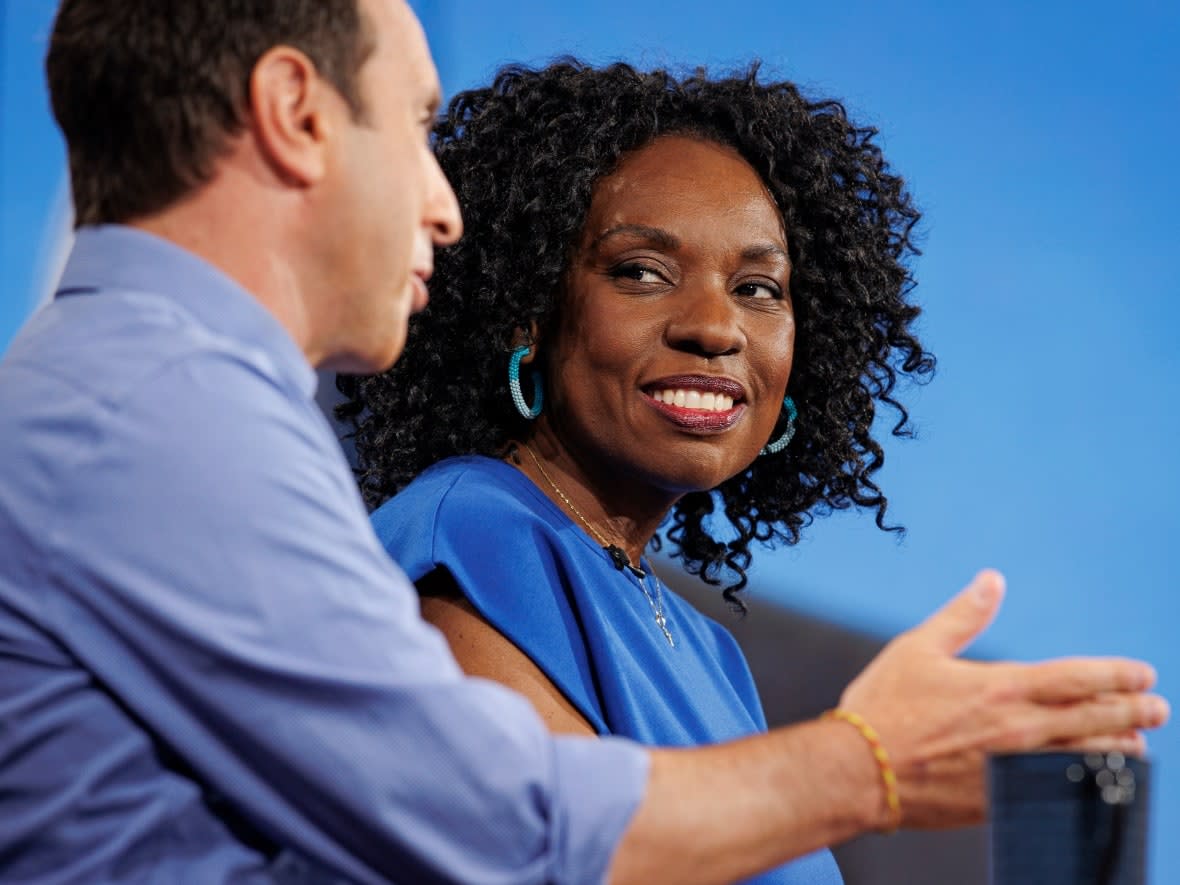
[888, 776]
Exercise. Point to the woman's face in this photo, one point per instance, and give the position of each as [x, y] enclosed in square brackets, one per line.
[675, 339]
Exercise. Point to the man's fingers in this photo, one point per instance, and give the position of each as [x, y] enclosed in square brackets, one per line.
[1129, 743]
[956, 624]
[1103, 715]
[1075, 679]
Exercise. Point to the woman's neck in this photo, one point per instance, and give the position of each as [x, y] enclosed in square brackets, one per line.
[608, 504]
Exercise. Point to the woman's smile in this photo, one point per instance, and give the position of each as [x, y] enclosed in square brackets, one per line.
[671, 360]
[698, 403]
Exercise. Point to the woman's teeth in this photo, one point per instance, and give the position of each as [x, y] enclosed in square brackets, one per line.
[694, 399]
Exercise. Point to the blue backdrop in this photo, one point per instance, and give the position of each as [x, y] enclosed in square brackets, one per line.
[1041, 144]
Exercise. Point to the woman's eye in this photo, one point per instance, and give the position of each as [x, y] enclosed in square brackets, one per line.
[636, 272]
[759, 290]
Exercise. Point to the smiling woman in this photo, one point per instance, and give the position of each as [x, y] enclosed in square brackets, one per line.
[672, 295]
[553, 173]
[677, 290]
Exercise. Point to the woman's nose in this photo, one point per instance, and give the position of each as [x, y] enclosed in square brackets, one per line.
[705, 320]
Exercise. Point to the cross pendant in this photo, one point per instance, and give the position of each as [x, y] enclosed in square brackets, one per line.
[662, 623]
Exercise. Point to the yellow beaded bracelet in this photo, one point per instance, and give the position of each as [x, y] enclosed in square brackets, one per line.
[888, 777]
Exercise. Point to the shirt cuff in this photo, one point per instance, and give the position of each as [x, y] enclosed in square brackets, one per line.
[599, 784]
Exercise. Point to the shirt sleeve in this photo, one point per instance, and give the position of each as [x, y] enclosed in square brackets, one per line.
[214, 568]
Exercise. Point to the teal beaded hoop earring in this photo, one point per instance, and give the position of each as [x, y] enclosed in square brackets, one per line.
[788, 432]
[526, 411]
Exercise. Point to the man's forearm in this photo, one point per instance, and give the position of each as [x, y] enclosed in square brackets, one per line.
[722, 813]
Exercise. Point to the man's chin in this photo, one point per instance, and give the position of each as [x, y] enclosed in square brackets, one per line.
[384, 361]
[372, 360]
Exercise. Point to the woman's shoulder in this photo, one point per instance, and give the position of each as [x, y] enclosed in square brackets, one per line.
[467, 508]
[500, 541]
[465, 487]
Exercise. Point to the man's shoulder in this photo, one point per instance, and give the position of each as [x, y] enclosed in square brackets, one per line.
[105, 347]
[123, 390]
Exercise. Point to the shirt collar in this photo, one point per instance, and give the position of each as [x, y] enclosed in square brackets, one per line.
[119, 257]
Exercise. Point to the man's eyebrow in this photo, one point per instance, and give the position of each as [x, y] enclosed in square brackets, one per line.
[655, 235]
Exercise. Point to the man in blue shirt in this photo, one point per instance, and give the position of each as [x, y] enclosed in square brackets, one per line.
[209, 670]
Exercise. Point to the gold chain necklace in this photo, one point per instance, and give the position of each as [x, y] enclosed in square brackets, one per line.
[616, 553]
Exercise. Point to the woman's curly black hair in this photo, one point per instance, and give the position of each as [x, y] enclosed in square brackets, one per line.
[524, 156]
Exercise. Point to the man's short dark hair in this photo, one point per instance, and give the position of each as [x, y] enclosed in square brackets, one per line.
[148, 92]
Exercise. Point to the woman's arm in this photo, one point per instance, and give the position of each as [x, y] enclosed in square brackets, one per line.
[482, 650]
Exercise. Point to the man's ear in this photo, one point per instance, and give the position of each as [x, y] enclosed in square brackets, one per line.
[530, 337]
[293, 114]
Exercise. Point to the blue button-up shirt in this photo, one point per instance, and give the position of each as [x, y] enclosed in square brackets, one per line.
[210, 671]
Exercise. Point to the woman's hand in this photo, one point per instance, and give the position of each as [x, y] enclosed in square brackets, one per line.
[939, 716]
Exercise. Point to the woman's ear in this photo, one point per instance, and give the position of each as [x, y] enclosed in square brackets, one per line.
[527, 338]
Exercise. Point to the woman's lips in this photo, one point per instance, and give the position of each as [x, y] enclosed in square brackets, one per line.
[697, 403]
[716, 384]
[698, 420]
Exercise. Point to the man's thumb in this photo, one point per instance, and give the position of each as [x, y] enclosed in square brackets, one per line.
[954, 626]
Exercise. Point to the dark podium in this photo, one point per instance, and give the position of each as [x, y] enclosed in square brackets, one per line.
[1068, 819]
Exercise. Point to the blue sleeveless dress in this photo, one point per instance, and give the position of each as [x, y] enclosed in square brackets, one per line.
[555, 593]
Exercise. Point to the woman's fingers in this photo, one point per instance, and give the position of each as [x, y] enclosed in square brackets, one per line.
[1074, 679]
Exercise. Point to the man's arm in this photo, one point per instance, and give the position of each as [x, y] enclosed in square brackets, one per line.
[229, 591]
[735, 809]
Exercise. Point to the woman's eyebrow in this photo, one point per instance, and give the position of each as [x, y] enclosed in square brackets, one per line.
[662, 239]
[655, 235]
[766, 250]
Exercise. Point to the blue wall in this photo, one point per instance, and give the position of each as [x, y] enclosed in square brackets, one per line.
[31, 162]
[1042, 146]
